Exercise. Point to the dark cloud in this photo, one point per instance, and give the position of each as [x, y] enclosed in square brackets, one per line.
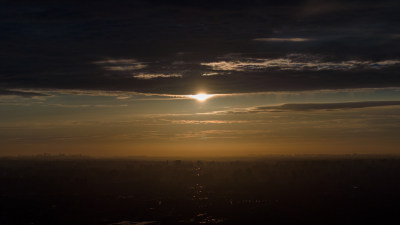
[323, 106]
[103, 45]
[24, 94]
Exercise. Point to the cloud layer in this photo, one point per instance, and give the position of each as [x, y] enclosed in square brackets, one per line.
[325, 106]
[305, 107]
[296, 62]
[220, 47]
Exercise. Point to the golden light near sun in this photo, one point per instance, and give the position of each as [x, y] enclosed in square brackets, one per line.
[201, 97]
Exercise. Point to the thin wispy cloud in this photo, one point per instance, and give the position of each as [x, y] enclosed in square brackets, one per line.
[147, 76]
[210, 74]
[87, 105]
[121, 64]
[307, 107]
[293, 39]
[43, 94]
[207, 121]
[220, 134]
[323, 106]
[326, 106]
[297, 62]
[22, 93]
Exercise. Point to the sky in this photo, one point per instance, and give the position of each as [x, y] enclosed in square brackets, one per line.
[122, 78]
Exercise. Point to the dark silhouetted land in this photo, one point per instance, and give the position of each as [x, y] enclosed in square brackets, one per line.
[274, 190]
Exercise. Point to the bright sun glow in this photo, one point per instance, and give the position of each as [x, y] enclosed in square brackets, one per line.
[201, 97]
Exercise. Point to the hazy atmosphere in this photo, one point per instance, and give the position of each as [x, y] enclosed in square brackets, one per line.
[199, 78]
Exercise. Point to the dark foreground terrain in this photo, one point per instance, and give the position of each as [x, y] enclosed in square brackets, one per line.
[275, 190]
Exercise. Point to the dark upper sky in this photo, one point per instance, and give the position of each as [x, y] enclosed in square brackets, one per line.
[181, 47]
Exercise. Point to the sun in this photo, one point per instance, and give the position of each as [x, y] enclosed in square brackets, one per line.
[201, 97]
